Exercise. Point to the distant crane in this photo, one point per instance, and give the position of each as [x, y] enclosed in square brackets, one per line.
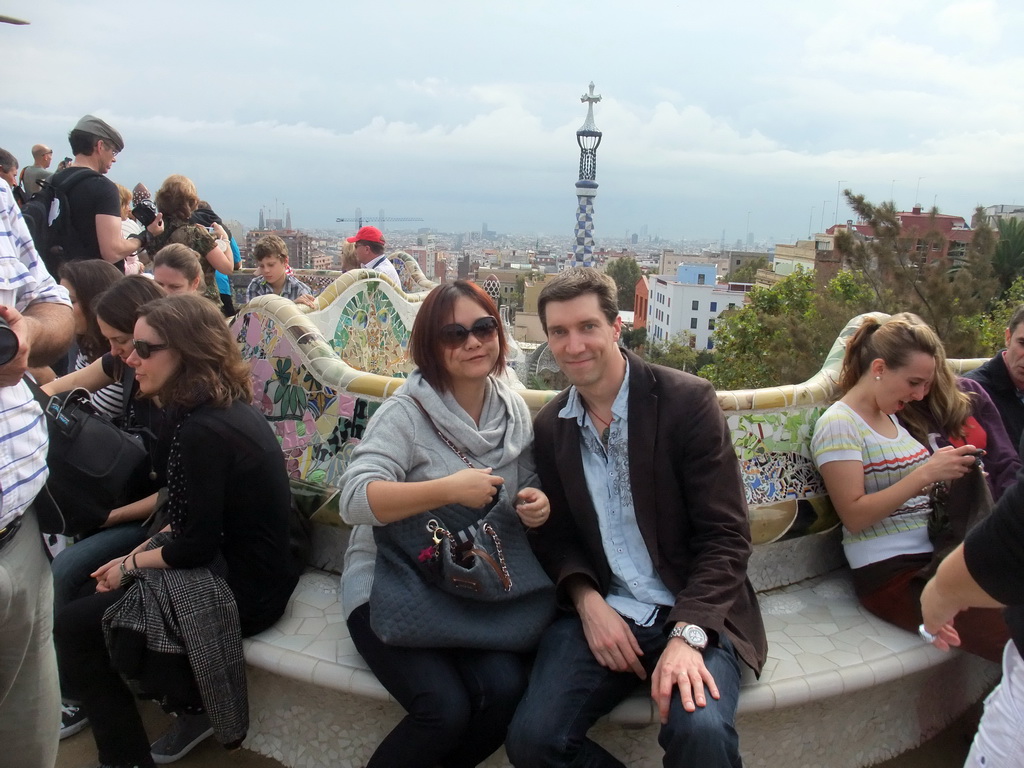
[381, 219]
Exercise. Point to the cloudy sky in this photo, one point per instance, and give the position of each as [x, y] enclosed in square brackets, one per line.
[714, 114]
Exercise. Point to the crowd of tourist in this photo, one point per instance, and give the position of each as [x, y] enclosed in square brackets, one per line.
[120, 295]
[628, 495]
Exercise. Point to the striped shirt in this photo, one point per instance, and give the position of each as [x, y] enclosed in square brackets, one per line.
[23, 281]
[842, 435]
[109, 400]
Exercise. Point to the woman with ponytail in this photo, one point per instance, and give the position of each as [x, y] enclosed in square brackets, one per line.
[879, 476]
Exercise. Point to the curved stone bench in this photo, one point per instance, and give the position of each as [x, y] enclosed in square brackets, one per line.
[840, 687]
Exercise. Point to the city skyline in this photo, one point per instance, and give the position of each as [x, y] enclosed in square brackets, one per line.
[716, 120]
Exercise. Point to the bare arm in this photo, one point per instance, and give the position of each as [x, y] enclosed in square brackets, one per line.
[220, 260]
[137, 510]
[113, 246]
[951, 591]
[44, 333]
[859, 510]
[91, 378]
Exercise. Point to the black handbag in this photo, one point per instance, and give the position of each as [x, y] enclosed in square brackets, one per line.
[453, 578]
[90, 460]
[957, 506]
[449, 579]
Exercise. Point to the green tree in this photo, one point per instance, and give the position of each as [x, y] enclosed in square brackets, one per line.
[634, 338]
[747, 272]
[1008, 260]
[783, 332]
[992, 324]
[673, 352]
[626, 273]
[907, 272]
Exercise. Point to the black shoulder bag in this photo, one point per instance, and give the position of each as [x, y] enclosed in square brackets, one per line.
[90, 459]
[459, 577]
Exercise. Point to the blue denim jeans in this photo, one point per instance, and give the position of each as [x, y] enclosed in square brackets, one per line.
[71, 568]
[569, 691]
[71, 580]
[459, 701]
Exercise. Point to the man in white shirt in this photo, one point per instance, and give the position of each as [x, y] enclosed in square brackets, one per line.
[370, 252]
[39, 317]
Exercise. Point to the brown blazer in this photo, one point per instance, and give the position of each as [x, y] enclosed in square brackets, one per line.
[688, 497]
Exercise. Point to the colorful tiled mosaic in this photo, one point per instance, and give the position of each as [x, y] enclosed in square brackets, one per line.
[318, 394]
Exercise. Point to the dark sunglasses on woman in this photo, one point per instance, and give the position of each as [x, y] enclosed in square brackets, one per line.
[455, 334]
[145, 348]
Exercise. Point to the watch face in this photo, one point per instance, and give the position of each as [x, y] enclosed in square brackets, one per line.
[695, 636]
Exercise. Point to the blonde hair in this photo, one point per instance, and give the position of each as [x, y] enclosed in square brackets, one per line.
[126, 200]
[893, 342]
[945, 406]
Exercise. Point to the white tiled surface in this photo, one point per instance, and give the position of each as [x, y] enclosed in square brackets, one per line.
[840, 687]
[820, 643]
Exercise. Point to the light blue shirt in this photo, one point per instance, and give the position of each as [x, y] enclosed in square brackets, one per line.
[636, 590]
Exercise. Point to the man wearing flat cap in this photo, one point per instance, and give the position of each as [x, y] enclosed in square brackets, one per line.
[370, 252]
[93, 200]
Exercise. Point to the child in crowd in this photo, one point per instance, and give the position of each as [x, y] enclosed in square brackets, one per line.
[271, 255]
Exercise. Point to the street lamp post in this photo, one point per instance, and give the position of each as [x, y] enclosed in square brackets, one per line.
[838, 184]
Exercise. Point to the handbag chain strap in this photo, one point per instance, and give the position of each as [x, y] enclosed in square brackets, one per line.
[440, 434]
[506, 576]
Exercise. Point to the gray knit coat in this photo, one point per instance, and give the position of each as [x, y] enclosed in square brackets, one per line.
[400, 445]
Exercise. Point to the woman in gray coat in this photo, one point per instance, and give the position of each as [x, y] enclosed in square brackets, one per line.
[459, 701]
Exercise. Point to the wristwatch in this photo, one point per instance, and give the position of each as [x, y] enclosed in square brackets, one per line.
[692, 635]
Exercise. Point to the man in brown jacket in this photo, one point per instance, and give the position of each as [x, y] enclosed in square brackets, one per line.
[648, 542]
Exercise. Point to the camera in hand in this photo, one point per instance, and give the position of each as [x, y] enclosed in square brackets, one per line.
[144, 212]
[8, 343]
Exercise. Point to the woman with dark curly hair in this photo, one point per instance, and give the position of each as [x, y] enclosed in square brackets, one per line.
[222, 565]
[177, 199]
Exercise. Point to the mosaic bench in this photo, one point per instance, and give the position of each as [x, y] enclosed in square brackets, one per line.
[840, 687]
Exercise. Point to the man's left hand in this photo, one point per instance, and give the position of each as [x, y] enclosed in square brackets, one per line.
[11, 373]
[683, 667]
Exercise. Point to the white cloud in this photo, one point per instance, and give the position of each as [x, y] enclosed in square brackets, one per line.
[708, 111]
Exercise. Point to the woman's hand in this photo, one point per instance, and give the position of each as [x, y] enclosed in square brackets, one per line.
[108, 577]
[949, 463]
[474, 487]
[533, 507]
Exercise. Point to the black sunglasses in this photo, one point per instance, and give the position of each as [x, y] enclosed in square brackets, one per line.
[455, 335]
[145, 348]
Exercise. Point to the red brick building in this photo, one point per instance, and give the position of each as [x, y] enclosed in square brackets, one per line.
[935, 235]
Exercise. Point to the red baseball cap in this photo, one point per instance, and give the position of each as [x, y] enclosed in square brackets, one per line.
[371, 234]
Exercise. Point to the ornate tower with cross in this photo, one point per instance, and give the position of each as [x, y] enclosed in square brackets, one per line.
[589, 139]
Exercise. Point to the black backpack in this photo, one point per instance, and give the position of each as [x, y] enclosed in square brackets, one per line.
[48, 216]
